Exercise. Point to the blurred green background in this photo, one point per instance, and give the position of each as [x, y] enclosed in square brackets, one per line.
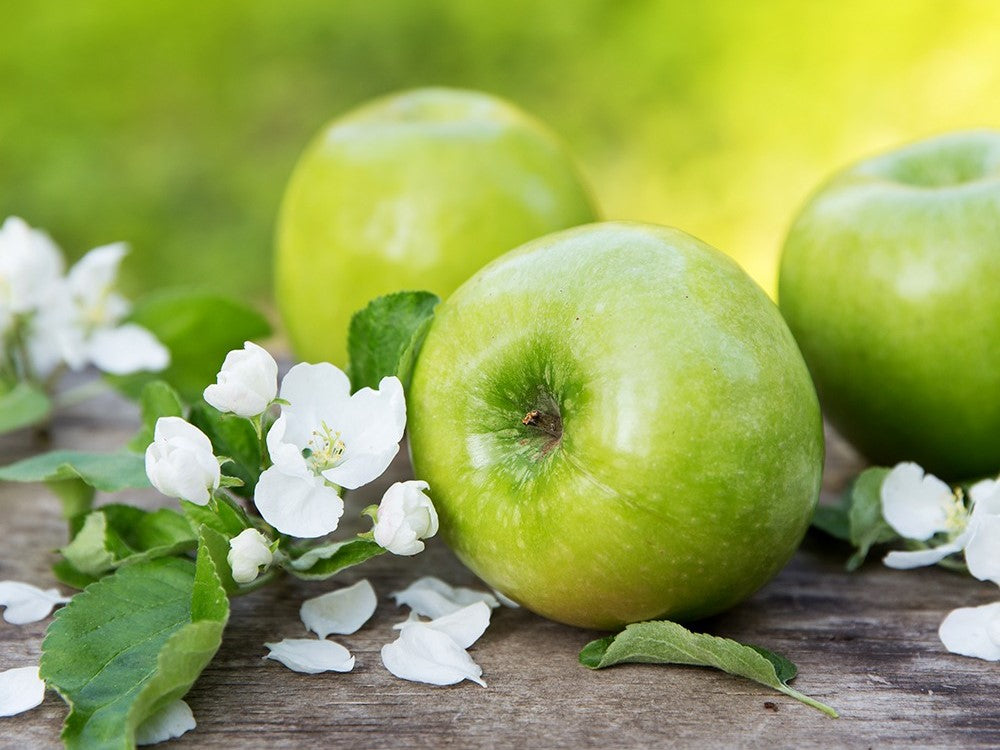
[175, 126]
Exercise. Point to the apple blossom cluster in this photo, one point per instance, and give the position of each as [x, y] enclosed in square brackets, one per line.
[52, 319]
[939, 522]
[325, 439]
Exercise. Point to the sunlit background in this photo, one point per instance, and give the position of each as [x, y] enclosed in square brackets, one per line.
[175, 125]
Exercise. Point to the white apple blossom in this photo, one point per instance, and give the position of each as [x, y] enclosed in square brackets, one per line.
[432, 597]
[21, 689]
[311, 655]
[918, 506]
[30, 262]
[973, 631]
[405, 516]
[168, 723]
[247, 383]
[324, 439]
[180, 462]
[423, 654]
[342, 611]
[248, 551]
[25, 603]
[73, 319]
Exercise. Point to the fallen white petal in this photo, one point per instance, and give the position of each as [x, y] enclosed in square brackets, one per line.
[969, 631]
[169, 722]
[465, 626]
[432, 597]
[905, 560]
[342, 611]
[422, 654]
[26, 603]
[21, 689]
[915, 504]
[311, 655]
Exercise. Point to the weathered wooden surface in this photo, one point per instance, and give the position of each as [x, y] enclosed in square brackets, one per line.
[866, 643]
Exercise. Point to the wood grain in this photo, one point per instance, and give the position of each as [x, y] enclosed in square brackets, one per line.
[865, 643]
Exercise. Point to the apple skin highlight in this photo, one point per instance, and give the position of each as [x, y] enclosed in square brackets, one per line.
[617, 425]
[890, 281]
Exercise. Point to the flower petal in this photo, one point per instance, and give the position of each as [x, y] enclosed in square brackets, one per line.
[465, 626]
[422, 654]
[505, 600]
[169, 722]
[371, 424]
[905, 560]
[126, 349]
[311, 655]
[915, 504]
[967, 631]
[982, 553]
[21, 689]
[26, 603]
[302, 506]
[92, 277]
[405, 516]
[342, 611]
[313, 393]
[432, 597]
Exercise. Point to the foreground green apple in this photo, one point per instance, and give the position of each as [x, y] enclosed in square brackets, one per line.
[890, 281]
[414, 191]
[616, 425]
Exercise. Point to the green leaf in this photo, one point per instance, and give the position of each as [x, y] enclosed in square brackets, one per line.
[23, 405]
[216, 545]
[77, 496]
[158, 399]
[226, 517]
[665, 642]
[132, 643]
[116, 535]
[385, 338]
[107, 472]
[234, 437]
[321, 562]
[833, 520]
[199, 328]
[867, 526]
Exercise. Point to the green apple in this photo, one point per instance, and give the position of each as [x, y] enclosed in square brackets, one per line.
[616, 425]
[890, 282]
[413, 191]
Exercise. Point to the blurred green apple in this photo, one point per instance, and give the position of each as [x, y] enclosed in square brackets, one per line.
[413, 191]
[890, 281]
[616, 425]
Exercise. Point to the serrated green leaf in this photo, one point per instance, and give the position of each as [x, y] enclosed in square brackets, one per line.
[158, 399]
[116, 535]
[385, 337]
[235, 438]
[322, 562]
[199, 328]
[22, 406]
[217, 545]
[665, 642]
[107, 472]
[226, 517]
[130, 644]
[867, 526]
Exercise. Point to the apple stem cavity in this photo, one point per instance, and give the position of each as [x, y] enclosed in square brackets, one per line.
[550, 424]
